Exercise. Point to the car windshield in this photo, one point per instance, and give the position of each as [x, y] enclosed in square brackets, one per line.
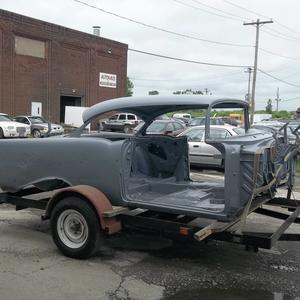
[239, 130]
[4, 118]
[36, 120]
[156, 127]
[198, 121]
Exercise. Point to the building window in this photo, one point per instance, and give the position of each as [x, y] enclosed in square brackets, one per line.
[30, 47]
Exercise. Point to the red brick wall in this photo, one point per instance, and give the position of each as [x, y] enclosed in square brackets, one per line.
[71, 66]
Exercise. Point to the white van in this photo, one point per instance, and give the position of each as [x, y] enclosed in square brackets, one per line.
[184, 116]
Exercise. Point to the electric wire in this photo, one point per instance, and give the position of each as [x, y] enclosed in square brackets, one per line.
[189, 80]
[278, 79]
[187, 60]
[232, 17]
[279, 55]
[261, 15]
[160, 28]
[238, 18]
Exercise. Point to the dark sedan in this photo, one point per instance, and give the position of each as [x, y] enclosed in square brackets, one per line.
[167, 127]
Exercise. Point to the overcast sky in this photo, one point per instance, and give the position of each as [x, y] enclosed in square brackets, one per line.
[193, 19]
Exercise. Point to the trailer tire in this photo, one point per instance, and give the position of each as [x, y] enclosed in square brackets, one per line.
[75, 228]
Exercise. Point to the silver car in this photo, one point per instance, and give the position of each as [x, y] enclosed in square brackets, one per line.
[39, 126]
[204, 154]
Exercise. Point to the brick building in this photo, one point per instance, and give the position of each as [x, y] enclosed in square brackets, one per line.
[44, 67]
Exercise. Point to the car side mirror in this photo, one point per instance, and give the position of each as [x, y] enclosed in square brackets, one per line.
[168, 132]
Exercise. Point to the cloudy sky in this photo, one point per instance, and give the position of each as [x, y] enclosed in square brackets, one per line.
[217, 21]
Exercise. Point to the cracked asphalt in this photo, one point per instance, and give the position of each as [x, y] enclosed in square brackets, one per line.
[133, 266]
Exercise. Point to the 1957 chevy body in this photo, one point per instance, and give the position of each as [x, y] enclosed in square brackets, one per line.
[152, 172]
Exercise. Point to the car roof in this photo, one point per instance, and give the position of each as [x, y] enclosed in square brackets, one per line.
[149, 107]
[213, 126]
[3, 114]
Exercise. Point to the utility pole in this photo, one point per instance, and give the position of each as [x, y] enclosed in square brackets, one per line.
[249, 70]
[257, 24]
[277, 99]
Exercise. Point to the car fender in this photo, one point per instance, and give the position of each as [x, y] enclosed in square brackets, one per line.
[95, 197]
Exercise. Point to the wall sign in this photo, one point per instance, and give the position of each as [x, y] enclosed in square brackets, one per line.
[108, 80]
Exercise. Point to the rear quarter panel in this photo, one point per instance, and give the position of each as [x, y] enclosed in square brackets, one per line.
[89, 161]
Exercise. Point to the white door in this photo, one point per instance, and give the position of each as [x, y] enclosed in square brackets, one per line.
[36, 109]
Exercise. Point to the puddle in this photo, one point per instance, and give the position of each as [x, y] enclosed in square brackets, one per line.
[229, 294]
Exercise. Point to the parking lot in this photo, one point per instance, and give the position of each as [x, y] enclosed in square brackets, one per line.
[135, 266]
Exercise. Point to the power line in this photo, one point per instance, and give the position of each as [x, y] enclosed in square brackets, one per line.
[187, 60]
[160, 28]
[279, 36]
[220, 10]
[295, 98]
[279, 55]
[238, 18]
[189, 80]
[206, 11]
[246, 9]
[232, 17]
[261, 15]
[278, 79]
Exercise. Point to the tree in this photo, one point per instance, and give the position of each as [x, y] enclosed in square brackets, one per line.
[188, 92]
[151, 93]
[269, 107]
[129, 87]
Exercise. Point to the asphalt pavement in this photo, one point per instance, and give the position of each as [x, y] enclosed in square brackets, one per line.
[135, 266]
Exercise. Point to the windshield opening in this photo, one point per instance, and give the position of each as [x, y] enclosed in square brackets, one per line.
[5, 118]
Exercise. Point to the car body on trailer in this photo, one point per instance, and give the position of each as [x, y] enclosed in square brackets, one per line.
[39, 126]
[143, 171]
[11, 129]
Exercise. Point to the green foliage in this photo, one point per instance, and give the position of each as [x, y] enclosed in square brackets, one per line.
[282, 114]
[129, 87]
[188, 92]
[269, 107]
[152, 93]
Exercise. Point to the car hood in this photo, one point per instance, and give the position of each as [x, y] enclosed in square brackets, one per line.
[12, 123]
[150, 107]
[45, 125]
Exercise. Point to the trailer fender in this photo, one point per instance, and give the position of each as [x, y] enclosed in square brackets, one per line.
[95, 197]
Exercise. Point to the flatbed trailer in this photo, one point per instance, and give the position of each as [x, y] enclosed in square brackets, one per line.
[184, 227]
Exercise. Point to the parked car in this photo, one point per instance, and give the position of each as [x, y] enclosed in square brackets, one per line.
[151, 172]
[124, 122]
[203, 154]
[39, 126]
[182, 116]
[231, 121]
[201, 121]
[167, 127]
[9, 128]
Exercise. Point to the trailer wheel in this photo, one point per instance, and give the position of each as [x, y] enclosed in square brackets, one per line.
[75, 228]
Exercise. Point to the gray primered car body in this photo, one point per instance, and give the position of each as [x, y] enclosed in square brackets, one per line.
[151, 171]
